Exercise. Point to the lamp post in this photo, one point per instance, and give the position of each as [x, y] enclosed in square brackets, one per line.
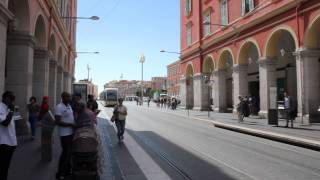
[142, 60]
[94, 18]
[172, 52]
[86, 52]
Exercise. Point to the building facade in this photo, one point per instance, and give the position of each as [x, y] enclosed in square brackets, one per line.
[128, 87]
[244, 47]
[173, 78]
[37, 49]
[159, 83]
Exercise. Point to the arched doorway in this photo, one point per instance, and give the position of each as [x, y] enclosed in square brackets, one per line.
[207, 70]
[189, 87]
[226, 64]
[281, 47]
[308, 62]
[248, 60]
[41, 62]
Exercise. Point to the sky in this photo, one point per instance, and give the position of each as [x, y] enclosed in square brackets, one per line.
[126, 29]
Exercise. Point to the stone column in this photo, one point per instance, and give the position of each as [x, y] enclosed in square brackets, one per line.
[190, 93]
[53, 84]
[5, 16]
[308, 74]
[183, 93]
[240, 78]
[219, 90]
[59, 83]
[268, 78]
[201, 93]
[40, 78]
[66, 82]
[19, 72]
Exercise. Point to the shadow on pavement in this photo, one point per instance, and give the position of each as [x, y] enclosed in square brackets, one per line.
[177, 162]
[26, 161]
[123, 165]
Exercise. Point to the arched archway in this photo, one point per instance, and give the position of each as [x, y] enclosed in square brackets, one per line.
[189, 86]
[309, 68]
[208, 67]
[40, 33]
[281, 46]
[312, 37]
[40, 86]
[225, 63]
[247, 75]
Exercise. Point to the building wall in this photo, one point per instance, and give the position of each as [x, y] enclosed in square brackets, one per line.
[37, 50]
[173, 77]
[262, 27]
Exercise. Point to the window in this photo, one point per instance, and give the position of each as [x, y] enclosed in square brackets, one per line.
[207, 23]
[187, 7]
[189, 34]
[247, 6]
[224, 12]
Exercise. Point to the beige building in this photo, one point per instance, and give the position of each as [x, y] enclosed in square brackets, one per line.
[127, 87]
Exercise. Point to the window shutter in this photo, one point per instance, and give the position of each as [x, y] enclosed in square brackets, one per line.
[243, 6]
[251, 5]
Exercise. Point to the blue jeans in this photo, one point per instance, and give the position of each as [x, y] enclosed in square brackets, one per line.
[33, 124]
[120, 127]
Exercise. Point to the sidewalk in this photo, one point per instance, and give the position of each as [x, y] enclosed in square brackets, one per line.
[301, 135]
[26, 161]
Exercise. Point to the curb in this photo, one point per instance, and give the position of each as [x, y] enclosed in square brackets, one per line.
[292, 140]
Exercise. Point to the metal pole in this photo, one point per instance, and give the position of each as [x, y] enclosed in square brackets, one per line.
[209, 104]
[141, 83]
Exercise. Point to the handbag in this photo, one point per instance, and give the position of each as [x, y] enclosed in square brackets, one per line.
[113, 118]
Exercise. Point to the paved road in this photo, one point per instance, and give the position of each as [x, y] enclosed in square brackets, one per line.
[190, 149]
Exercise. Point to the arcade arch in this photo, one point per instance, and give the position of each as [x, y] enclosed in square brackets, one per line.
[189, 85]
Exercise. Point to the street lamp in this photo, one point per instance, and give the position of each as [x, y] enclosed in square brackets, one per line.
[94, 18]
[142, 60]
[215, 24]
[87, 52]
[163, 51]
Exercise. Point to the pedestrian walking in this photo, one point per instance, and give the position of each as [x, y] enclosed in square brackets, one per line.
[149, 102]
[243, 109]
[289, 109]
[120, 112]
[8, 139]
[33, 109]
[65, 121]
